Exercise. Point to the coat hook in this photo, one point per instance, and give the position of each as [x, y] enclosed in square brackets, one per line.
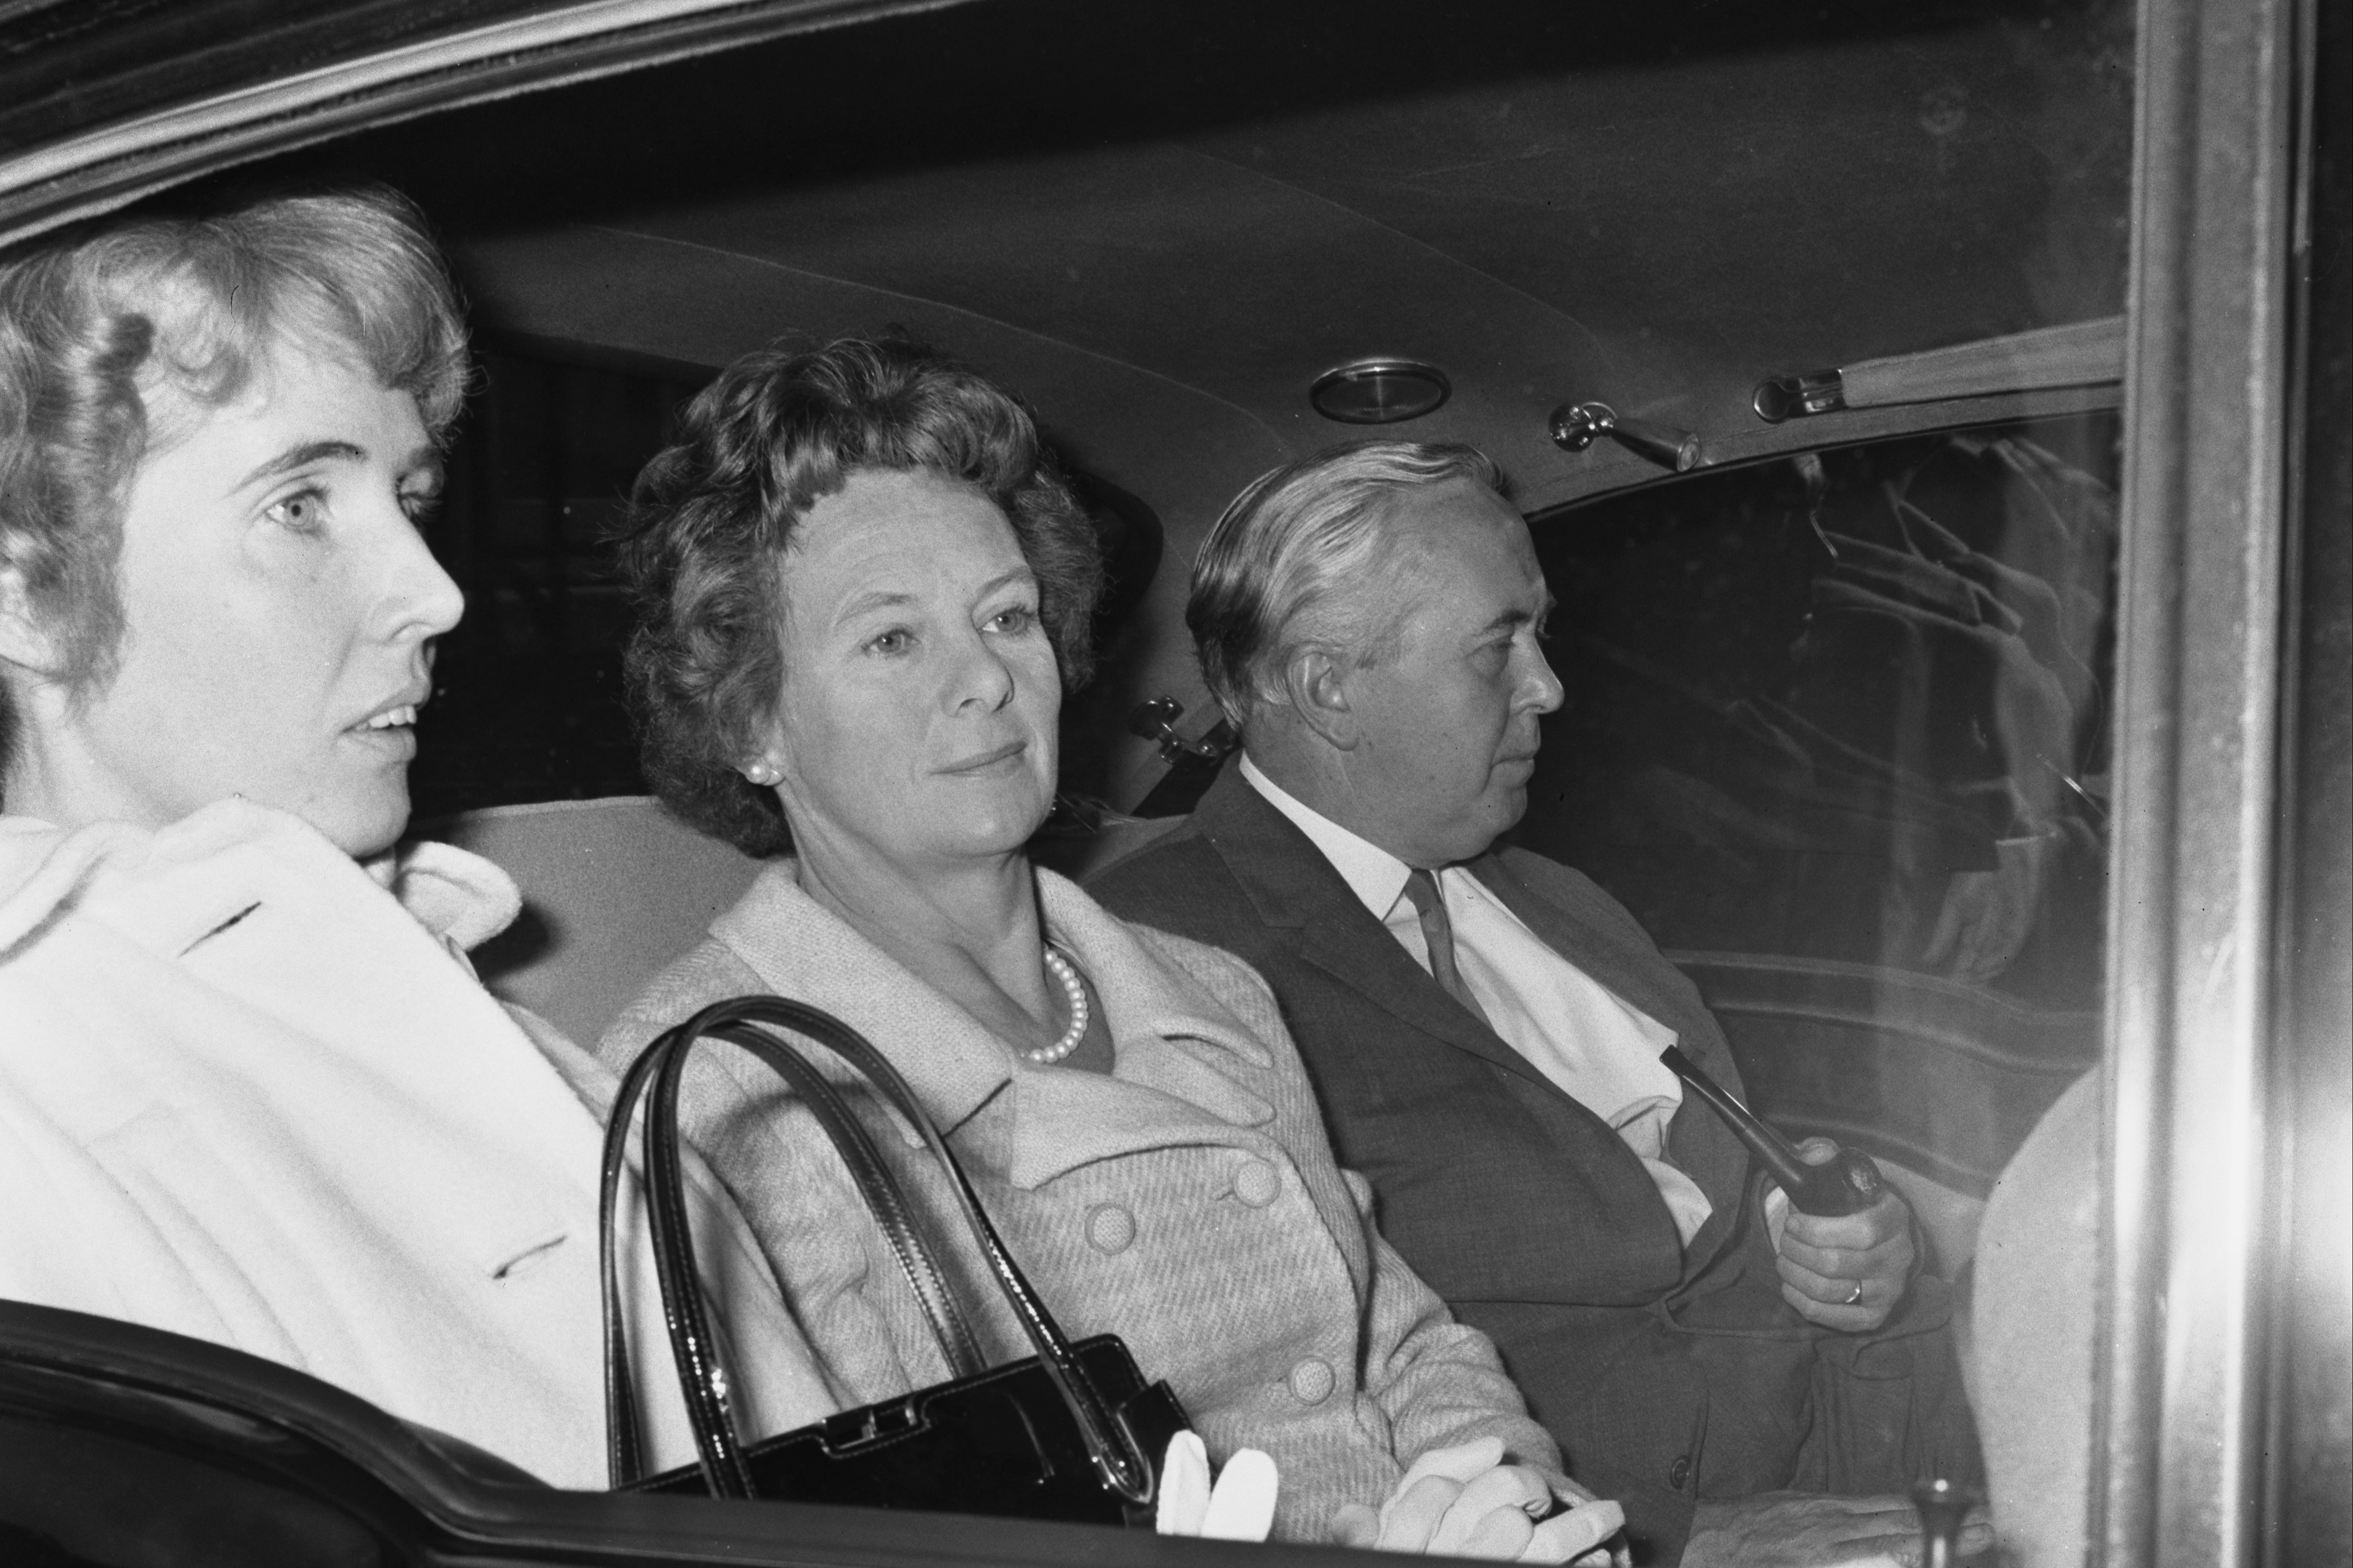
[1576, 425]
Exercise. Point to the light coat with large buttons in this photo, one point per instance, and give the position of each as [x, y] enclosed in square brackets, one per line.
[1187, 1201]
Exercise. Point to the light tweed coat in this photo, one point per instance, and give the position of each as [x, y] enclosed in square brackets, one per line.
[1188, 1202]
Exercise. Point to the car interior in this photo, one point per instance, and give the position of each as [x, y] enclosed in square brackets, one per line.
[1803, 717]
[1799, 335]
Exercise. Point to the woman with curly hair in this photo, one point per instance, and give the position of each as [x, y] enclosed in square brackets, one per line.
[864, 592]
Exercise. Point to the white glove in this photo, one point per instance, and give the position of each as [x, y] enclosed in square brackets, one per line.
[1464, 1501]
[1241, 1507]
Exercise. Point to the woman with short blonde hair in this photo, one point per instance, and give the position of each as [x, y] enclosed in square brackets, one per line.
[249, 1090]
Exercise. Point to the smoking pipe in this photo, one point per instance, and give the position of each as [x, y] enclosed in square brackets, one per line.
[1847, 1182]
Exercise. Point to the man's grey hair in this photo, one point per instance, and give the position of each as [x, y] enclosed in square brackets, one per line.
[1288, 563]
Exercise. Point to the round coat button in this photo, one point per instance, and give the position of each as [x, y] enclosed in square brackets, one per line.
[1258, 1184]
[1679, 1472]
[1312, 1380]
[1110, 1227]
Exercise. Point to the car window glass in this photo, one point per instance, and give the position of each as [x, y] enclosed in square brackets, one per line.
[1836, 732]
[1836, 729]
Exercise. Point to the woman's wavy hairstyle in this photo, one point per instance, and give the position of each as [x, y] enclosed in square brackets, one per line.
[704, 549]
[95, 322]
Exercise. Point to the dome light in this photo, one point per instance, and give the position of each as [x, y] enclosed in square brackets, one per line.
[1380, 391]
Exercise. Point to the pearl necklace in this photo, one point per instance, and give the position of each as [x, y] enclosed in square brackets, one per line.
[1075, 989]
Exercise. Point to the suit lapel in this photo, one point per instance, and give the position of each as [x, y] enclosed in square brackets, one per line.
[1295, 889]
[1696, 1141]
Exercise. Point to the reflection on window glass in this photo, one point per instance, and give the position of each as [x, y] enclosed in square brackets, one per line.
[1837, 723]
[1836, 732]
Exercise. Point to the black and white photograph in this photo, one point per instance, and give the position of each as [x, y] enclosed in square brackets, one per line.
[1123, 784]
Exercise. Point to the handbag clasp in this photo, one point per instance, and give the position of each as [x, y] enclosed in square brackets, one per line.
[856, 1429]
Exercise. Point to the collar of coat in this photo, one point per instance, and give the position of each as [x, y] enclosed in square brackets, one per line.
[463, 900]
[1185, 1070]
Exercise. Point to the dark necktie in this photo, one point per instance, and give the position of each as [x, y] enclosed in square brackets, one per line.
[1437, 932]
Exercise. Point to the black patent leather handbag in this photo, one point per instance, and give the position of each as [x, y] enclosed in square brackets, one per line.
[1072, 1433]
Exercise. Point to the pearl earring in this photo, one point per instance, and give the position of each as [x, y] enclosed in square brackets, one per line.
[762, 773]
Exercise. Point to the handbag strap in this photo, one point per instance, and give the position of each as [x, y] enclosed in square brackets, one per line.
[624, 1463]
[884, 1197]
[1119, 1464]
[893, 1214]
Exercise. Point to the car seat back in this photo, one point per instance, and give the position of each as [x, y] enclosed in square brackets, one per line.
[612, 889]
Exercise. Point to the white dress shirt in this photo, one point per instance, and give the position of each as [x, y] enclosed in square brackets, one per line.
[1592, 1043]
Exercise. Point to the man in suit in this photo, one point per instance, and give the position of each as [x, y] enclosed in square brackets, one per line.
[1484, 1026]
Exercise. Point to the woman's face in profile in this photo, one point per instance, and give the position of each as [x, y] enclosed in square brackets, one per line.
[276, 605]
[917, 713]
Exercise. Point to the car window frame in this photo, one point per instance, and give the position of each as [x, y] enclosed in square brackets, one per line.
[107, 165]
[212, 1406]
[2191, 1182]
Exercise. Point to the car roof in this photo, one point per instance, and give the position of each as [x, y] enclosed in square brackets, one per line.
[1228, 201]
[1654, 207]
[1162, 222]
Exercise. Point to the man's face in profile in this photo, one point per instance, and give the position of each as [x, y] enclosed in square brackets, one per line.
[1447, 714]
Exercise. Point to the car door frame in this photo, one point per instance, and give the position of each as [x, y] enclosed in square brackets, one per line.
[2212, 1172]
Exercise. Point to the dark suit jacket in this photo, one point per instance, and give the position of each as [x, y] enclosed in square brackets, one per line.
[1668, 1374]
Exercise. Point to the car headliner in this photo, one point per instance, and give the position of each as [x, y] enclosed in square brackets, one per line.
[1162, 220]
